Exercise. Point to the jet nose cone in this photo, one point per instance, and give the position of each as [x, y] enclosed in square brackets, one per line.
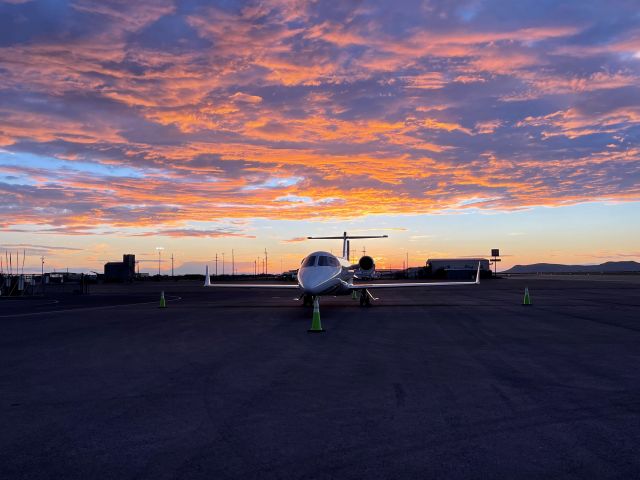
[310, 281]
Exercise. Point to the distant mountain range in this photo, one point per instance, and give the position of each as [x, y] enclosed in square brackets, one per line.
[607, 267]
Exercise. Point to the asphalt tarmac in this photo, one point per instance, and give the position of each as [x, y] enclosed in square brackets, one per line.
[454, 382]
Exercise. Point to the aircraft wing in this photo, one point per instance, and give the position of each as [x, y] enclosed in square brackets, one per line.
[207, 283]
[253, 285]
[360, 286]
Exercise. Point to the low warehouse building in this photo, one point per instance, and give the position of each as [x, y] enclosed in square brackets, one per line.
[458, 268]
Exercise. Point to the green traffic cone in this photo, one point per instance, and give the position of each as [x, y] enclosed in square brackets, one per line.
[316, 326]
[163, 303]
[527, 298]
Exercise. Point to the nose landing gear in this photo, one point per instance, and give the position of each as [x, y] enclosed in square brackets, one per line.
[307, 300]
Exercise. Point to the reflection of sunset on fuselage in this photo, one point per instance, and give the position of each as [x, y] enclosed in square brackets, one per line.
[241, 125]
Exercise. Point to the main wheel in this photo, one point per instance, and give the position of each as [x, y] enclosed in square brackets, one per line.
[365, 299]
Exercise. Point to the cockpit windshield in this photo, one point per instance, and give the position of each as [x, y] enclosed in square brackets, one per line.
[310, 261]
[320, 261]
[325, 261]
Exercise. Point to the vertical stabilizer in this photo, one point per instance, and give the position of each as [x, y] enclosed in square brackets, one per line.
[345, 246]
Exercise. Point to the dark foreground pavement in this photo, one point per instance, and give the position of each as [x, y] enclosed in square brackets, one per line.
[449, 383]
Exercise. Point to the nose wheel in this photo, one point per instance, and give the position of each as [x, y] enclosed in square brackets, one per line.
[307, 300]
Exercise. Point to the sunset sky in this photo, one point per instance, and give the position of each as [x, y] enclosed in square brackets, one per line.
[453, 127]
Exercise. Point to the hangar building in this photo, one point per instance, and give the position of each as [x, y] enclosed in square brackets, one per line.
[124, 271]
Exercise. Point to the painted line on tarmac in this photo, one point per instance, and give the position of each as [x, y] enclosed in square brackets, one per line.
[42, 304]
[85, 309]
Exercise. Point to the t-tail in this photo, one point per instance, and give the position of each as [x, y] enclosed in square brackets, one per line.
[345, 241]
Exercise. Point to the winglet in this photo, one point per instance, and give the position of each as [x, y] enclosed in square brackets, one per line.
[207, 280]
[478, 275]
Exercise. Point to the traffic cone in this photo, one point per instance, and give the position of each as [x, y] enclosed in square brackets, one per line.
[207, 280]
[527, 298]
[354, 295]
[316, 326]
[163, 303]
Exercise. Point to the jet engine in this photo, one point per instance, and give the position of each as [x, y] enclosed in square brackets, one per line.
[366, 266]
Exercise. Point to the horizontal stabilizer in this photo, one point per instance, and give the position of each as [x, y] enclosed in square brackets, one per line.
[345, 241]
[348, 237]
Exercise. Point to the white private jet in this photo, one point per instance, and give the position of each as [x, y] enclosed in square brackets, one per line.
[322, 273]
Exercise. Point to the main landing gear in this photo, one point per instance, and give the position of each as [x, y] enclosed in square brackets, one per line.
[365, 298]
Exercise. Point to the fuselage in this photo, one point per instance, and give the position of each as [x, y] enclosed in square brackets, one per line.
[322, 273]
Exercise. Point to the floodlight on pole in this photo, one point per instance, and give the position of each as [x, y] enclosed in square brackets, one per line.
[159, 249]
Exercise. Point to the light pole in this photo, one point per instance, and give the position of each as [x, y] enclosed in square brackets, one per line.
[216, 264]
[223, 264]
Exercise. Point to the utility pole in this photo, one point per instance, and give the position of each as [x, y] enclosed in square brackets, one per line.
[42, 266]
[223, 264]
[266, 262]
[407, 263]
[233, 263]
[281, 267]
[216, 264]
[172, 265]
[159, 249]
